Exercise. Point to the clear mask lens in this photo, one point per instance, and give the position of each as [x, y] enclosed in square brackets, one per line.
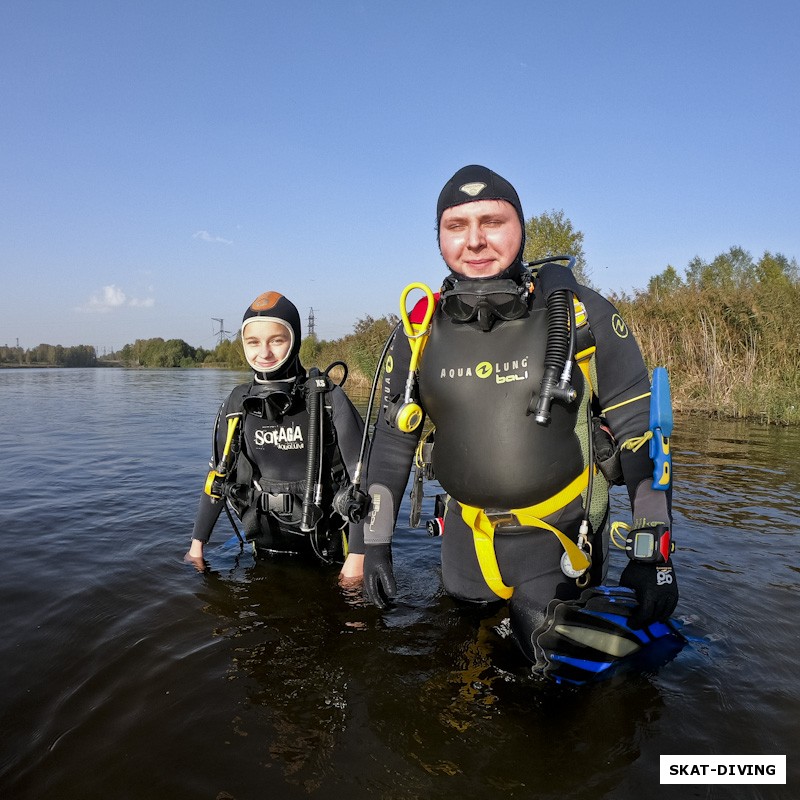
[268, 406]
[469, 300]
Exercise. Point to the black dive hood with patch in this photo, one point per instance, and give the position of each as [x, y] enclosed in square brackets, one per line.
[468, 185]
[475, 182]
[274, 307]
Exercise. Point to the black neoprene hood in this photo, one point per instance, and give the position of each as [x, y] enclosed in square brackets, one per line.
[274, 307]
[477, 183]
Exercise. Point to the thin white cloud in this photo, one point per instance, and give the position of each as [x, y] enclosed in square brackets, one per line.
[107, 299]
[205, 236]
[148, 302]
[112, 297]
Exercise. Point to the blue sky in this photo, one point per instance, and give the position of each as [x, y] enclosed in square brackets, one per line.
[162, 163]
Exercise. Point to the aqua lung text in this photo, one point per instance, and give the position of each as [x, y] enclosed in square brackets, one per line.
[516, 370]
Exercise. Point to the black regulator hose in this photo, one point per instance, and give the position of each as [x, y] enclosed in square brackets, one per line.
[560, 350]
[561, 344]
[307, 521]
[351, 502]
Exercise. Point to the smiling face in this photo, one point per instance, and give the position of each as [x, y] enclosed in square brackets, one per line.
[266, 343]
[480, 239]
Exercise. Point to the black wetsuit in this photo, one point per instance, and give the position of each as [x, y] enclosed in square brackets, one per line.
[475, 387]
[270, 476]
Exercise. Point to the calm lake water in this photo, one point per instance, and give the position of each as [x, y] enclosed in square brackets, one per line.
[125, 673]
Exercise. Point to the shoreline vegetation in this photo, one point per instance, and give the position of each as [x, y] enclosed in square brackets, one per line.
[725, 332]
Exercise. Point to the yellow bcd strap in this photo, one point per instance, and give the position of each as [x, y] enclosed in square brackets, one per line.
[483, 533]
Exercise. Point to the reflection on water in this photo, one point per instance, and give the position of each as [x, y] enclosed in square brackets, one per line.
[127, 674]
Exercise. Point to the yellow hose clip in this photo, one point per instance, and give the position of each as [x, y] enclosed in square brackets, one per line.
[216, 477]
[409, 415]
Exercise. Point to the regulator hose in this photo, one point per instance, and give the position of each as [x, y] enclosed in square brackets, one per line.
[559, 287]
[308, 521]
[351, 502]
[560, 350]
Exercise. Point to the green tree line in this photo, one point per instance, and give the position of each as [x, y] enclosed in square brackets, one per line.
[156, 353]
[725, 332]
[50, 355]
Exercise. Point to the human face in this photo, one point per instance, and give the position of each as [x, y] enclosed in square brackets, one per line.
[480, 239]
[266, 344]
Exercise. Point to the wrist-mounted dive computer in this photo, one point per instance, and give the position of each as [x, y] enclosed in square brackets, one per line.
[650, 545]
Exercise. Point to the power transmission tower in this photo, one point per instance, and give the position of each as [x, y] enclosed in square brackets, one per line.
[221, 334]
[310, 329]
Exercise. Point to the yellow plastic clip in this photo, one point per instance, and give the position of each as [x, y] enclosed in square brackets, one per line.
[409, 415]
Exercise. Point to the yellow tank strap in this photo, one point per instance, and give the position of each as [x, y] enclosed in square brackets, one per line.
[584, 359]
[483, 533]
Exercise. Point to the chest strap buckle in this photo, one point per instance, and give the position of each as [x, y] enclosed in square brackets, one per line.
[277, 503]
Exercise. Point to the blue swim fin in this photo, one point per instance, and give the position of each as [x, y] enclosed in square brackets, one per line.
[582, 640]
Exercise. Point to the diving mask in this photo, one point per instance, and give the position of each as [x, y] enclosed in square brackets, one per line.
[483, 300]
[270, 405]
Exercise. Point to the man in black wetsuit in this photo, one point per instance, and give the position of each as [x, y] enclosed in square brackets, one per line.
[516, 480]
[265, 473]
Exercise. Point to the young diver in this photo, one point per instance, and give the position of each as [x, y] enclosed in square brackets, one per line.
[276, 438]
[513, 428]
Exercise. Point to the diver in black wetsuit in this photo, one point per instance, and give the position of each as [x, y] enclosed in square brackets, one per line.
[516, 480]
[264, 443]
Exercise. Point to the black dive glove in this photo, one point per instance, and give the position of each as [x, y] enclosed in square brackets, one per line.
[656, 591]
[379, 583]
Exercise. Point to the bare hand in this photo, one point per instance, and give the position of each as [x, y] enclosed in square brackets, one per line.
[198, 562]
[195, 556]
[352, 572]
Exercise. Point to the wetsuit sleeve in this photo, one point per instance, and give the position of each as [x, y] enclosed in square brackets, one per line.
[391, 451]
[349, 428]
[207, 511]
[349, 431]
[623, 391]
[206, 517]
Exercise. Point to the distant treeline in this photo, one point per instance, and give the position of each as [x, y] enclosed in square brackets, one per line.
[49, 355]
[725, 330]
[155, 353]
